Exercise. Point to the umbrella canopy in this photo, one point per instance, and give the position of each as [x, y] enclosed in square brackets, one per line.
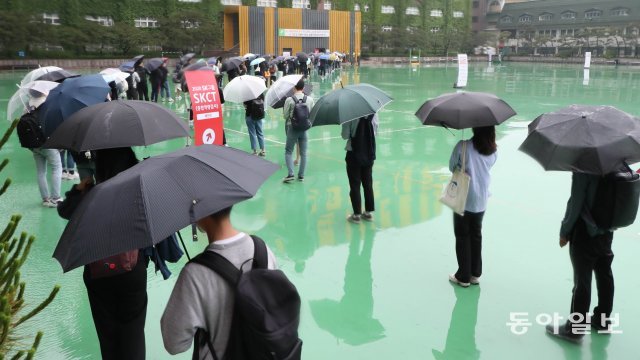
[284, 88]
[114, 124]
[57, 75]
[212, 60]
[249, 56]
[324, 57]
[257, 61]
[187, 57]
[166, 193]
[307, 90]
[35, 74]
[71, 96]
[279, 59]
[153, 63]
[349, 103]
[128, 66]
[465, 110]
[232, 63]
[113, 74]
[302, 57]
[137, 60]
[582, 138]
[197, 66]
[244, 88]
[20, 101]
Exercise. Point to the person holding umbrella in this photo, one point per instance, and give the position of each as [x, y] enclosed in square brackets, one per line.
[361, 154]
[143, 85]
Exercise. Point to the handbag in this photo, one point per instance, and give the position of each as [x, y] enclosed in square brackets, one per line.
[456, 191]
[114, 265]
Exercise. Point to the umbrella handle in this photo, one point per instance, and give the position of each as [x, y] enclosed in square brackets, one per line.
[194, 232]
[183, 246]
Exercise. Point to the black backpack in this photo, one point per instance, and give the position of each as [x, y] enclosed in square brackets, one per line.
[300, 119]
[256, 109]
[29, 131]
[616, 201]
[266, 310]
[363, 143]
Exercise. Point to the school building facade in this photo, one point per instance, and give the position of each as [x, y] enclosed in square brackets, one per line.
[269, 30]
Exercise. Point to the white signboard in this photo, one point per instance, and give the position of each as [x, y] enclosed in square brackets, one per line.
[585, 80]
[307, 33]
[463, 71]
[587, 60]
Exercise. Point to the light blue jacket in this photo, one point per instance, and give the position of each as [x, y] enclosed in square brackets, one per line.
[478, 167]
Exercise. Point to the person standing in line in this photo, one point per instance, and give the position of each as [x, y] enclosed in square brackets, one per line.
[361, 154]
[480, 156]
[165, 93]
[293, 135]
[142, 86]
[590, 251]
[156, 83]
[254, 117]
[68, 166]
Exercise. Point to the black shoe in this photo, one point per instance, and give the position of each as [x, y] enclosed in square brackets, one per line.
[288, 179]
[564, 332]
[596, 324]
[300, 178]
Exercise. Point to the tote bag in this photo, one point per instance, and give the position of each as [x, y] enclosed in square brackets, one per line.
[456, 191]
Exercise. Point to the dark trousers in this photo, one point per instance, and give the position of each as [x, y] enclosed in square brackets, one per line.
[119, 309]
[143, 92]
[468, 231]
[589, 255]
[359, 175]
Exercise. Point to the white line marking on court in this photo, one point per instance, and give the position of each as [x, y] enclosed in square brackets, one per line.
[244, 133]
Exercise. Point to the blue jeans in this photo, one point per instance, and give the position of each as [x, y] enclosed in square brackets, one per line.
[164, 90]
[42, 158]
[255, 133]
[67, 164]
[293, 137]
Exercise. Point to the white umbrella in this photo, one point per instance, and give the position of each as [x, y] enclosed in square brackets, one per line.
[257, 61]
[244, 88]
[250, 56]
[113, 74]
[34, 74]
[281, 89]
[18, 103]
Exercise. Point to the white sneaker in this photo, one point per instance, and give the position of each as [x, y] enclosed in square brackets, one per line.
[474, 280]
[65, 175]
[170, 100]
[455, 280]
[73, 176]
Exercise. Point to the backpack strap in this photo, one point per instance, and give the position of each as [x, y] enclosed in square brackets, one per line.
[220, 265]
[260, 255]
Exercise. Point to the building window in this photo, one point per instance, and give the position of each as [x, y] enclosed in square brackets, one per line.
[592, 14]
[327, 5]
[388, 9]
[476, 4]
[435, 29]
[387, 28]
[412, 10]
[620, 12]
[366, 8]
[102, 20]
[436, 13]
[524, 19]
[545, 17]
[267, 3]
[51, 19]
[146, 22]
[298, 4]
[231, 2]
[505, 20]
[458, 14]
[567, 32]
[551, 33]
[186, 24]
[356, 7]
[568, 15]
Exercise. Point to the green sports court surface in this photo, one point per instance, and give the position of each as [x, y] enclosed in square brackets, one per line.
[379, 290]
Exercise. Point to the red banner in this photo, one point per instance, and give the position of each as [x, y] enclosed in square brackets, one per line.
[206, 107]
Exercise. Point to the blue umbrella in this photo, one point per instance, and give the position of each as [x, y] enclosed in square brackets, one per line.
[212, 60]
[72, 95]
[257, 61]
[153, 64]
[128, 66]
[324, 57]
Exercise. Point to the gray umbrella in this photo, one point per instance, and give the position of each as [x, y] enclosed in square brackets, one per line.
[465, 110]
[161, 195]
[347, 104]
[581, 138]
[113, 124]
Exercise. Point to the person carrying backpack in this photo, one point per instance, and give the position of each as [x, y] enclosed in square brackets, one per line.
[216, 303]
[361, 153]
[590, 239]
[254, 116]
[32, 137]
[296, 114]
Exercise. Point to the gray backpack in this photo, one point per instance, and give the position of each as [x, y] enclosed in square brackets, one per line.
[300, 119]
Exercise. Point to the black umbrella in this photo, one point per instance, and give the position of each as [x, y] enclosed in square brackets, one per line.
[232, 63]
[582, 138]
[465, 110]
[161, 195]
[137, 60]
[153, 64]
[114, 124]
[302, 57]
[58, 76]
[197, 66]
[185, 58]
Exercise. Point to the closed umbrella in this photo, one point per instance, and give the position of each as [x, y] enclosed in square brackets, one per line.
[114, 124]
[19, 102]
[465, 110]
[153, 63]
[244, 88]
[35, 74]
[349, 103]
[584, 138]
[164, 194]
[57, 75]
[71, 96]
